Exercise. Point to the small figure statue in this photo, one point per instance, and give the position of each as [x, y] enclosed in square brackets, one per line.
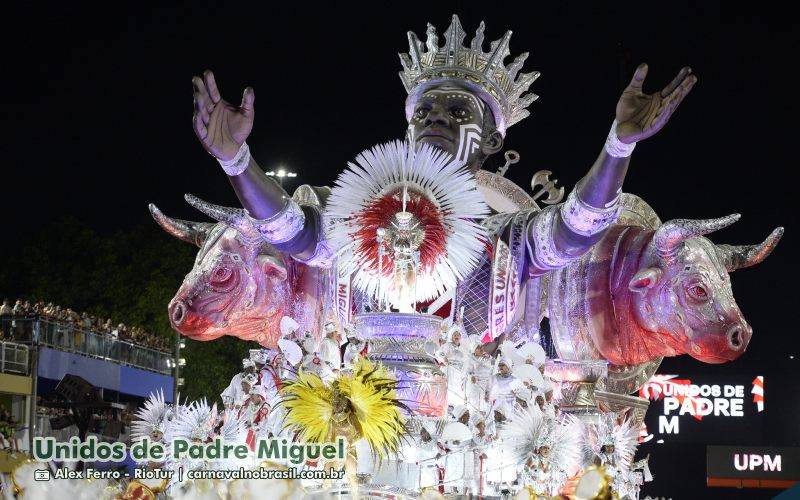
[406, 239]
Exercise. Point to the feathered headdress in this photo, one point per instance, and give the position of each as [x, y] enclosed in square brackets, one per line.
[153, 416]
[195, 422]
[442, 199]
[528, 429]
[371, 393]
[234, 426]
[624, 437]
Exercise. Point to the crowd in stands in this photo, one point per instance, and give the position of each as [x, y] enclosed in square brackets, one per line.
[83, 321]
[8, 425]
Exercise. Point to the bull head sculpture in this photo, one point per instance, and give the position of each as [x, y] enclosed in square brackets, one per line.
[682, 289]
[238, 285]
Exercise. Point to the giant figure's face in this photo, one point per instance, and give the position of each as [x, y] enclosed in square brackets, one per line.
[453, 119]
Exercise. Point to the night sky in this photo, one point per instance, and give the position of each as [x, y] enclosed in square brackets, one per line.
[98, 106]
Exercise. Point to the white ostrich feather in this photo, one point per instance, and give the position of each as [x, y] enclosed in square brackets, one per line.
[624, 437]
[521, 433]
[528, 429]
[234, 428]
[195, 421]
[154, 415]
[389, 168]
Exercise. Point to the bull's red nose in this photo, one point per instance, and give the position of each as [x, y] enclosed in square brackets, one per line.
[177, 312]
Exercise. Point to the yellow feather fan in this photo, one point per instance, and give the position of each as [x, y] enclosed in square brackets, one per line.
[374, 407]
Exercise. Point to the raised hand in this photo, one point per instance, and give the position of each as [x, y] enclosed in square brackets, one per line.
[641, 115]
[221, 127]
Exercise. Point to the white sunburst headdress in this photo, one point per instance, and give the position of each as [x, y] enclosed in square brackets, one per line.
[195, 422]
[528, 430]
[623, 436]
[154, 416]
[440, 194]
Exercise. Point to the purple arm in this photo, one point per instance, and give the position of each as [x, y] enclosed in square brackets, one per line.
[264, 199]
[562, 233]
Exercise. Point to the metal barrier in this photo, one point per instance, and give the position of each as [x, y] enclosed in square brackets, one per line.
[14, 358]
[67, 337]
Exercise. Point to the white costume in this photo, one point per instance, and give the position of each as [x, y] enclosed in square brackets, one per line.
[479, 369]
[329, 350]
[424, 455]
[454, 358]
[456, 463]
[232, 395]
[503, 387]
[353, 350]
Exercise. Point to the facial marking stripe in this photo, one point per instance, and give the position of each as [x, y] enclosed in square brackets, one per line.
[469, 139]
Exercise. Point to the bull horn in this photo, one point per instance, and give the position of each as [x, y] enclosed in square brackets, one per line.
[233, 217]
[669, 238]
[188, 231]
[738, 256]
[230, 216]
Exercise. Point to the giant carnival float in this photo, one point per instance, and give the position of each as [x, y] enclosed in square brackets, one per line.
[464, 335]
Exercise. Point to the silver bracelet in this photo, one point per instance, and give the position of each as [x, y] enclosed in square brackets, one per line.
[540, 241]
[238, 163]
[323, 253]
[322, 258]
[615, 147]
[585, 219]
[283, 226]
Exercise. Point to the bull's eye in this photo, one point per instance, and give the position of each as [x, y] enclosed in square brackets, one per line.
[698, 292]
[221, 274]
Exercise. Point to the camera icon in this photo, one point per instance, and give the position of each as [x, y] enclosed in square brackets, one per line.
[41, 475]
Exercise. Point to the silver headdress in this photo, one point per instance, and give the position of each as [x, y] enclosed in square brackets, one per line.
[481, 72]
[624, 437]
[528, 430]
[153, 416]
[195, 422]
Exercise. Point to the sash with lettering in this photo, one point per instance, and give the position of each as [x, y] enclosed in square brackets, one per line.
[498, 304]
[507, 264]
[343, 296]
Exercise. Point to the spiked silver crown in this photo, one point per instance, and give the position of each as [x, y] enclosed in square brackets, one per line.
[498, 85]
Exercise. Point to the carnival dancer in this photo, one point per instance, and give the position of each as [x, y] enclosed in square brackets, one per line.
[530, 377]
[354, 349]
[267, 376]
[329, 348]
[426, 453]
[254, 411]
[287, 359]
[478, 368]
[200, 423]
[504, 383]
[639, 473]
[457, 439]
[151, 423]
[532, 354]
[480, 441]
[548, 450]
[452, 357]
[232, 395]
[614, 445]
[362, 404]
[312, 361]
[501, 471]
